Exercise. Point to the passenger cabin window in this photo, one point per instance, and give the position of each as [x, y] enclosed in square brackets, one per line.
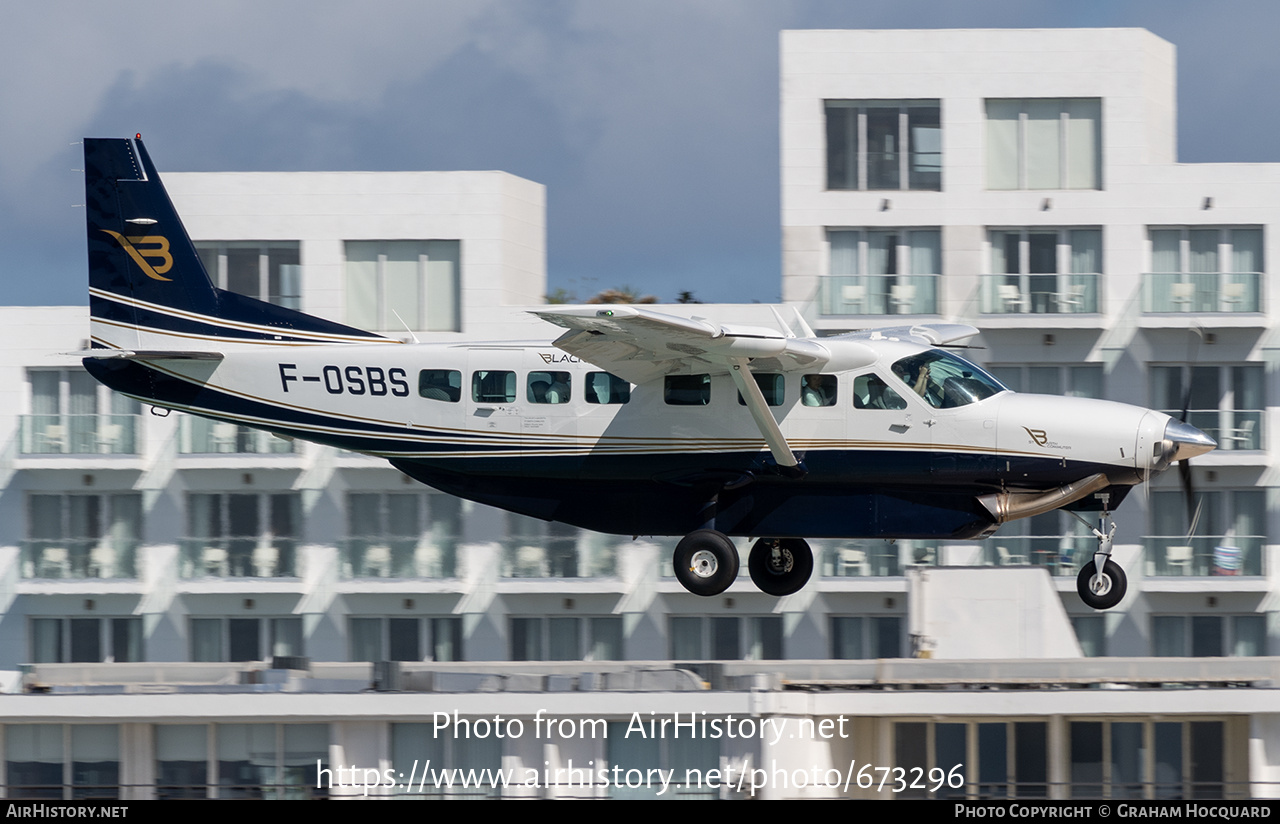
[603, 387]
[687, 390]
[771, 386]
[440, 384]
[944, 380]
[547, 387]
[871, 392]
[493, 387]
[818, 390]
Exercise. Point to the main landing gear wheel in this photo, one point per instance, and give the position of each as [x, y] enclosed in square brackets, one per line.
[1101, 591]
[780, 566]
[706, 562]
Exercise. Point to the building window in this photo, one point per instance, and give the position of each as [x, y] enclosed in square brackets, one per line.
[1224, 534]
[82, 536]
[402, 639]
[884, 145]
[268, 270]
[1225, 402]
[462, 749]
[394, 285]
[38, 756]
[241, 535]
[535, 548]
[86, 640]
[401, 535]
[1084, 380]
[1043, 271]
[1209, 636]
[565, 638]
[1004, 759]
[1205, 269]
[246, 761]
[201, 436]
[1044, 144]
[1091, 632]
[726, 638]
[873, 636]
[692, 761]
[882, 272]
[73, 414]
[1147, 759]
[245, 639]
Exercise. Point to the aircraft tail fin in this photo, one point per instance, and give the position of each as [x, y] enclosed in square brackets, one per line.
[147, 284]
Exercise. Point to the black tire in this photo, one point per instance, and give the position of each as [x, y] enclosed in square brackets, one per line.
[706, 562]
[797, 565]
[1108, 598]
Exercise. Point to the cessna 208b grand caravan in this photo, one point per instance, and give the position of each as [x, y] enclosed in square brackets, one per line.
[635, 420]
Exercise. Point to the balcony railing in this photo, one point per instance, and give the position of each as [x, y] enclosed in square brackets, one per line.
[400, 557]
[876, 559]
[248, 557]
[1060, 554]
[1204, 555]
[198, 436]
[1233, 429]
[1039, 294]
[1211, 292]
[79, 434]
[879, 295]
[585, 556]
[79, 558]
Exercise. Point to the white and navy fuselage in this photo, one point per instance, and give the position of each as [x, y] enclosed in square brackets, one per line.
[632, 422]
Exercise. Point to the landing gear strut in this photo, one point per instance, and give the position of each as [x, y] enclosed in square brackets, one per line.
[780, 566]
[706, 562]
[1106, 589]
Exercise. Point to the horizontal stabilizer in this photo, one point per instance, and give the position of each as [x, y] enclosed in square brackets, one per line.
[126, 354]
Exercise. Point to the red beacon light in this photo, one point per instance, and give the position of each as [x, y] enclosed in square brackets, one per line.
[138, 136]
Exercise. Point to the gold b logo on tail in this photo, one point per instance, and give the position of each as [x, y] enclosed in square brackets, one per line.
[153, 246]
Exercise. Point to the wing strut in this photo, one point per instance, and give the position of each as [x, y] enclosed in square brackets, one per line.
[740, 371]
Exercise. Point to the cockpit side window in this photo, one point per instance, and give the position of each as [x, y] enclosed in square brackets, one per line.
[944, 380]
[871, 392]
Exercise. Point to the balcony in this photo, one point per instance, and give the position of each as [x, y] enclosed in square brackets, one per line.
[1237, 292]
[571, 556]
[1062, 555]
[79, 558]
[198, 436]
[79, 434]
[1233, 429]
[879, 295]
[1039, 294]
[876, 559]
[249, 557]
[1204, 555]
[399, 557]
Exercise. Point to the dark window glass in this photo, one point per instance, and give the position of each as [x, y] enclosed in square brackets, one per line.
[440, 384]
[493, 387]
[687, 390]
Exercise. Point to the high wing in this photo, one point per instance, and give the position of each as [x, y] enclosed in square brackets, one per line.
[641, 345]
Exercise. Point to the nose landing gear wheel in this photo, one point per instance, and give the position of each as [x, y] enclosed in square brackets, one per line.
[1101, 591]
[706, 562]
[780, 566]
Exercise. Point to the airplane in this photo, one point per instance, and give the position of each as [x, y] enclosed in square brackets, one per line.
[635, 420]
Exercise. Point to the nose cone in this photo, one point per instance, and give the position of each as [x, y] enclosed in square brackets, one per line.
[1187, 441]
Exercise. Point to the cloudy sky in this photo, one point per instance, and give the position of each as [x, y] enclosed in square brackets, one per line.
[653, 123]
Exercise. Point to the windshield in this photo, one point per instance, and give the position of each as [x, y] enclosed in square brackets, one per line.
[944, 380]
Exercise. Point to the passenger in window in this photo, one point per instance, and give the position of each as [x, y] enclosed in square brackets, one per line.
[538, 391]
[818, 390]
[871, 392]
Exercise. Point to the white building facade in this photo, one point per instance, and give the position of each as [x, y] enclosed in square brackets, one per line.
[1026, 183]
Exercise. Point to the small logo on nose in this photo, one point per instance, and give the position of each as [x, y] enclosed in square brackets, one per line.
[1038, 435]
